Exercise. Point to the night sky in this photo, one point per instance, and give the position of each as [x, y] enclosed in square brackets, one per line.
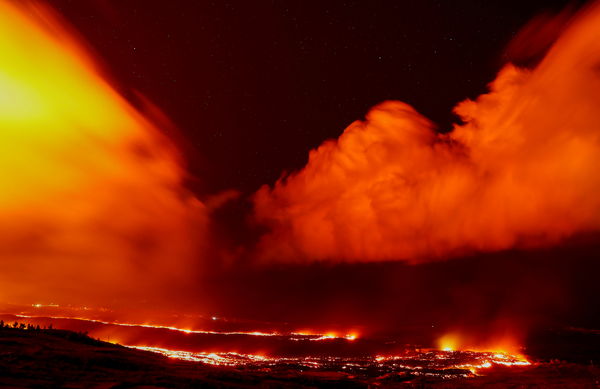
[253, 86]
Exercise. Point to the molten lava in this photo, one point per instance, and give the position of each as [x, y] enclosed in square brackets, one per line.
[93, 208]
[431, 362]
[501, 346]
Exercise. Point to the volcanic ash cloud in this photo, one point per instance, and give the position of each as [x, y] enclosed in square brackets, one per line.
[520, 172]
[92, 201]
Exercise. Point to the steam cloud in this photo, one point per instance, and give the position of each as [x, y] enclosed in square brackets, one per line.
[92, 201]
[521, 170]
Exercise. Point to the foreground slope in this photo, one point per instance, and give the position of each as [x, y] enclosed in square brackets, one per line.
[49, 358]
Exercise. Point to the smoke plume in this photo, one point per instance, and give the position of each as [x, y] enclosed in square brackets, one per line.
[92, 201]
[520, 171]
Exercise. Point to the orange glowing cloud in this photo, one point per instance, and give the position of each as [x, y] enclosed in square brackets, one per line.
[520, 172]
[91, 197]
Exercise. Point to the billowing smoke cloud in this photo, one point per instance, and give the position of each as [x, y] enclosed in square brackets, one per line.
[91, 199]
[521, 170]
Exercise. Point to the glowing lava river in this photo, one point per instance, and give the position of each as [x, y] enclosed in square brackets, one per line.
[235, 344]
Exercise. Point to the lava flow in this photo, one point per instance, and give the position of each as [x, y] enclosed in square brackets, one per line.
[201, 334]
[276, 349]
[348, 355]
[444, 364]
[397, 250]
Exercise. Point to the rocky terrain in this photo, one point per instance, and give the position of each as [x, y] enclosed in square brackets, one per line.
[50, 358]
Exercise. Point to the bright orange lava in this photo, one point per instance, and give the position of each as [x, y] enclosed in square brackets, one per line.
[312, 336]
[505, 345]
[480, 360]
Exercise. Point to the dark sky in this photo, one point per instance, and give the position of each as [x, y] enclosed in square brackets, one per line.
[254, 85]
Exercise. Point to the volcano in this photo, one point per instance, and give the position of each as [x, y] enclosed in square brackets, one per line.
[181, 207]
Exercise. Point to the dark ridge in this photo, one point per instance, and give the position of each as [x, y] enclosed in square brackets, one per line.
[32, 357]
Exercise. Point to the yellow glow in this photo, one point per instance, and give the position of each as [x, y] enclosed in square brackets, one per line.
[75, 154]
[293, 335]
[480, 360]
[448, 342]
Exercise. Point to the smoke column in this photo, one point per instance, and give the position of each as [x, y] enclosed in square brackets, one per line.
[520, 171]
[91, 201]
